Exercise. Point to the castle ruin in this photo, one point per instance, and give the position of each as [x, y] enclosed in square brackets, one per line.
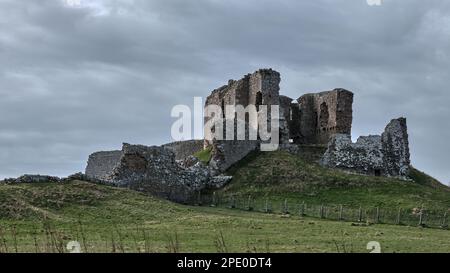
[319, 119]
[311, 119]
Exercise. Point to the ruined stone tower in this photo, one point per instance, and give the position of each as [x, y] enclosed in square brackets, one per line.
[259, 88]
[312, 119]
[317, 117]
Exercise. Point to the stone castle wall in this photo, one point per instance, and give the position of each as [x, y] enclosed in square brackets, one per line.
[320, 116]
[152, 170]
[101, 164]
[259, 88]
[226, 153]
[386, 155]
[396, 148]
[365, 156]
[183, 149]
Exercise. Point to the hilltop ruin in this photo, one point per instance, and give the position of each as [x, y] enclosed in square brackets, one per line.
[321, 119]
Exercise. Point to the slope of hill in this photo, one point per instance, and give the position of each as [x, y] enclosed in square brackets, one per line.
[280, 175]
[45, 217]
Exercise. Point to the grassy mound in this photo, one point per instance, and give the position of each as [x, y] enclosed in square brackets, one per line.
[280, 175]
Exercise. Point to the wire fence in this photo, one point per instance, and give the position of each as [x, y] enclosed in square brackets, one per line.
[374, 215]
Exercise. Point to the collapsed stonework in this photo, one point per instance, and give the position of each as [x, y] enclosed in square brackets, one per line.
[183, 149]
[33, 179]
[382, 155]
[152, 170]
[101, 164]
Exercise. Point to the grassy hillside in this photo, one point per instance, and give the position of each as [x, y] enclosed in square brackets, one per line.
[280, 175]
[45, 217]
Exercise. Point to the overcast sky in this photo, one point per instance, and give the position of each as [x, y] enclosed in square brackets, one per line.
[80, 76]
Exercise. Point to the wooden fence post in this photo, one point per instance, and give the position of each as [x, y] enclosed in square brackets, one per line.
[302, 209]
[199, 198]
[341, 213]
[321, 212]
[266, 206]
[232, 202]
[421, 217]
[249, 203]
[360, 214]
[444, 221]
[399, 216]
[377, 215]
[285, 207]
[213, 203]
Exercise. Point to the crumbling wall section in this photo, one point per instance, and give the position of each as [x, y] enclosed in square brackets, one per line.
[101, 164]
[155, 170]
[259, 88]
[226, 153]
[396, 148]
[289, 122]
[386, 155]
[365, 156]
[183, 149]
[325, 114]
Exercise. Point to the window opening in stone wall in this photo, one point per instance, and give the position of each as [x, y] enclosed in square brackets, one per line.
[324, 116]
[258, 100]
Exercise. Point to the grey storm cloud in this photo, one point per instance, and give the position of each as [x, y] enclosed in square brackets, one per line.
[80, 76]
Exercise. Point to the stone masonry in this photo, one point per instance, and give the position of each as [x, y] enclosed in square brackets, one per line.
[183, 149]
[312, 119]
[322, 115]
[395, 146]
[386, 155]
[259, 88]
[153, 170]
[101, 164]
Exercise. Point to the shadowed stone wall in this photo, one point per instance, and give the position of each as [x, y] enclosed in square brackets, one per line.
[226, 153]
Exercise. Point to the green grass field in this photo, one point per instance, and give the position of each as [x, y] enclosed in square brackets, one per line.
[45, 217]
[280, 176]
